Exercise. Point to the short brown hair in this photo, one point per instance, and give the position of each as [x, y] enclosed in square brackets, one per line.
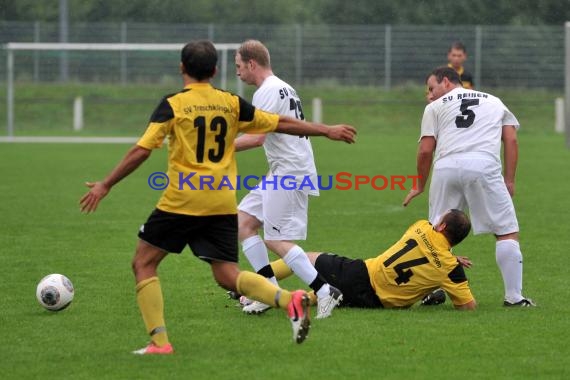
[457, 226]
[445, 72]
[199, 59]
[457, 45]
[255, 50]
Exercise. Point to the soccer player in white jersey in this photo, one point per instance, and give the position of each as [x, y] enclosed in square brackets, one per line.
[464, 128]
[282, 213]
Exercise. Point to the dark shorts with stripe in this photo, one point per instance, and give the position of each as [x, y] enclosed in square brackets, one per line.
[350, 276]
[211, 237]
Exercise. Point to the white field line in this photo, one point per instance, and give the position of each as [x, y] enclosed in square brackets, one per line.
[68, 139]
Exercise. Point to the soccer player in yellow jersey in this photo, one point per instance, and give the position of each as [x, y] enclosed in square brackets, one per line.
[201, 123]
[456, 57]
[420, 262]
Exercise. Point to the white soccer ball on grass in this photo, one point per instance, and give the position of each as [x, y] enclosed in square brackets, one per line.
[55, 292]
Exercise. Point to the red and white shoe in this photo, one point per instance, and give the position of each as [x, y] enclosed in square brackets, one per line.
[153, 349]
[298, 312]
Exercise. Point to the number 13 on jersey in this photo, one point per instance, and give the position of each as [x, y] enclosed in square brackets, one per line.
[219, 126]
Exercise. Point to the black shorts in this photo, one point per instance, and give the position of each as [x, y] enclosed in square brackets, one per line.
[211, 237]
[350, 276]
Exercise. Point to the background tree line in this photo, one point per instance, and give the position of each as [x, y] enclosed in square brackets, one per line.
[427, 12]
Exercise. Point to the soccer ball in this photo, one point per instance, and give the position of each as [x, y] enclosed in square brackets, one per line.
[55, 292]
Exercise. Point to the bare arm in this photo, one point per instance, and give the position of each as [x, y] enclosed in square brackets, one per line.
[471, 305]
[510, 156]
[248, 141]
[292, 126]
[423, 162]
[98, 190]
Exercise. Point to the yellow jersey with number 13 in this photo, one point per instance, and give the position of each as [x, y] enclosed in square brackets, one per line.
[201, 123]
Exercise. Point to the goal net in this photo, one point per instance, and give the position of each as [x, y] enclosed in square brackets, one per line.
[81, 90]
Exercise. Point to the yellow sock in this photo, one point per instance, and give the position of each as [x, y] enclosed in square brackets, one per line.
[280, 269]
[312, 298]
[151, 305]
[256, 287]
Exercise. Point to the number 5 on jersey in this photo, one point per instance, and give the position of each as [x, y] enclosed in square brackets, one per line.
[467, 117]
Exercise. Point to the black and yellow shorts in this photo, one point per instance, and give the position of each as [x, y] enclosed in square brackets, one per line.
[210, 237]
[351, 277]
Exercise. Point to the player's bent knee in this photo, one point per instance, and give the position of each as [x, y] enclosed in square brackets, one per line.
[313, 256]
[511, 236]
[247, 225]
[225, 274]
[146, 259]
[141, 265]
[280, 247]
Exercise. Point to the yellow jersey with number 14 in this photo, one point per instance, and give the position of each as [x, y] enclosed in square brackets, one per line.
[420, 262]
[201, 123]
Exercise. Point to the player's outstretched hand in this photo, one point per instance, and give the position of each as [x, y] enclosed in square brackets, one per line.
[90, 201]
[411, 195]
[464, 261]
[342, 132]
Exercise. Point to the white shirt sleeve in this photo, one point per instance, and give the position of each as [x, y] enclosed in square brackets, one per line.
[428, 122]
[265, 100]
[510, 119]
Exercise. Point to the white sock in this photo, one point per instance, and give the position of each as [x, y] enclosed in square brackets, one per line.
[297, 260]
[509, 260]
[323, 291]
[256, 252]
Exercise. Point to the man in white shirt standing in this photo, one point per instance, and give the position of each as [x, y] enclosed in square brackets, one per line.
[280, 211]
[461, 132]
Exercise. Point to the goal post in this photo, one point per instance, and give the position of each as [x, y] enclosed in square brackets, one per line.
[12, 47]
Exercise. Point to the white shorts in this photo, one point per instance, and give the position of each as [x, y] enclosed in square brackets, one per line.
[476, 184]
[282, 212]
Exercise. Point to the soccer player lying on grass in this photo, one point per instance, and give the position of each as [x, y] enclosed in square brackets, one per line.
[420, 262]
[202, 123]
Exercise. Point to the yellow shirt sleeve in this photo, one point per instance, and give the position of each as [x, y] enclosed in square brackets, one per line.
[254, 120]
[154, 136]
[159, 126]
[262, 122]
[458, 291]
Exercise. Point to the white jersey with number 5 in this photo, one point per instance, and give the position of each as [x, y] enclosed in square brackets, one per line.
[467, 121]
[286, 154]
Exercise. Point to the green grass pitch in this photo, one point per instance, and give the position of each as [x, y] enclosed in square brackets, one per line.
[43, 232]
